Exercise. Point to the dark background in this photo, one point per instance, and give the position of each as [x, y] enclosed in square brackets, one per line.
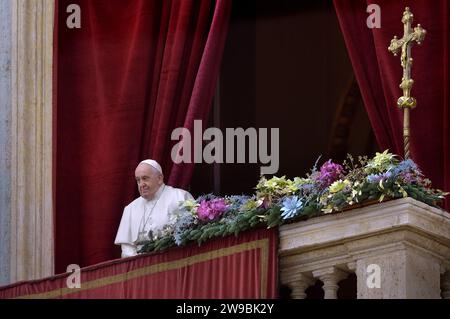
[285, 66]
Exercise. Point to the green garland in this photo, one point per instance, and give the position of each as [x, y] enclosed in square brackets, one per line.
[278, 200]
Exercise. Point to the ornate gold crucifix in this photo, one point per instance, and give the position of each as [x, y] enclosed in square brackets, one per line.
[407, 102]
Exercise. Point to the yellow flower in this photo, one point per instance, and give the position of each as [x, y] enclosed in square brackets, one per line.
[276, 186]
[190, 205]
[338, 185]
[250, 205]
[381, 161]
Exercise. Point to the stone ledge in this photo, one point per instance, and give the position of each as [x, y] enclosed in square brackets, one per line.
[367, 221]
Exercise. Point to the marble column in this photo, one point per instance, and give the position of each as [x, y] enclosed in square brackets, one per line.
[31, 232]
[330, 277]
[299, 283]
[5, 140]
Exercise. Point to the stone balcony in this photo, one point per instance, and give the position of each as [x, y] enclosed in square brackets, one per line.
[397, 249]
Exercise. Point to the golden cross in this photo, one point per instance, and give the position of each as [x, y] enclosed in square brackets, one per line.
[406, 102]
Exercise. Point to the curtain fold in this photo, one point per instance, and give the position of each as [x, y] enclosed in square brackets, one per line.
[379, 74]
[133, 72]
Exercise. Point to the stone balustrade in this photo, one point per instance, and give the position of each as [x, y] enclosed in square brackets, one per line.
[397, 249]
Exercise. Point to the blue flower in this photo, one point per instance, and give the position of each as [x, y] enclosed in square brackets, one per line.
[291, 206]
[237, 201]
[406, 166]
[183, 223]
[376, 178]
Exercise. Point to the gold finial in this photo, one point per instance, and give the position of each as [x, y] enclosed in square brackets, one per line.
[406, 101]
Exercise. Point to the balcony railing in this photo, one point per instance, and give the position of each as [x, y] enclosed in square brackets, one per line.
[397, 249]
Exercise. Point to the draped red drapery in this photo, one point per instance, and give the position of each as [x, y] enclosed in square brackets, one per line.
[230, 267]
[132, 72]
[379, 74]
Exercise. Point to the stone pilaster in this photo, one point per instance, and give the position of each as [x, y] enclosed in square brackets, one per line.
[32, 248]
[5, 140]
[404, 271]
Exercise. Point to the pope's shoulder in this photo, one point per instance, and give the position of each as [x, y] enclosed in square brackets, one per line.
[178, 190]
[136, 202]
[178, 194]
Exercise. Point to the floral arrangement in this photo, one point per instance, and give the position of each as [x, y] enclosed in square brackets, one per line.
[331, 188]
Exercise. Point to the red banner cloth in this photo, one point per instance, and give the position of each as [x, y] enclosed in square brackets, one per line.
[231, 267]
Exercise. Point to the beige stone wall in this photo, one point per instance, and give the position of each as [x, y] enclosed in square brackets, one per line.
[32, 251]
[397, 249]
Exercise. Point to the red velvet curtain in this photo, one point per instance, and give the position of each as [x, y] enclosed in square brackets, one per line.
[379, 74]
[232, 267]
[133, 72]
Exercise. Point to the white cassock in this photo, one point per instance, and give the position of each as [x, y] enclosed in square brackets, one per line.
[146, 215]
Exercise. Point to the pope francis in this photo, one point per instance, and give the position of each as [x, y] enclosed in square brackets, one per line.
[151, 211]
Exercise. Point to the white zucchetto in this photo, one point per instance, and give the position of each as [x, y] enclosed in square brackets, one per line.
[153, 164]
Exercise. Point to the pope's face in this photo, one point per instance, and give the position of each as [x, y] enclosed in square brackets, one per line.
[148, 180]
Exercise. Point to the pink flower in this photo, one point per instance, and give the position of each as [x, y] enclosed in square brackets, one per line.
[209, 210]
[329, 173]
